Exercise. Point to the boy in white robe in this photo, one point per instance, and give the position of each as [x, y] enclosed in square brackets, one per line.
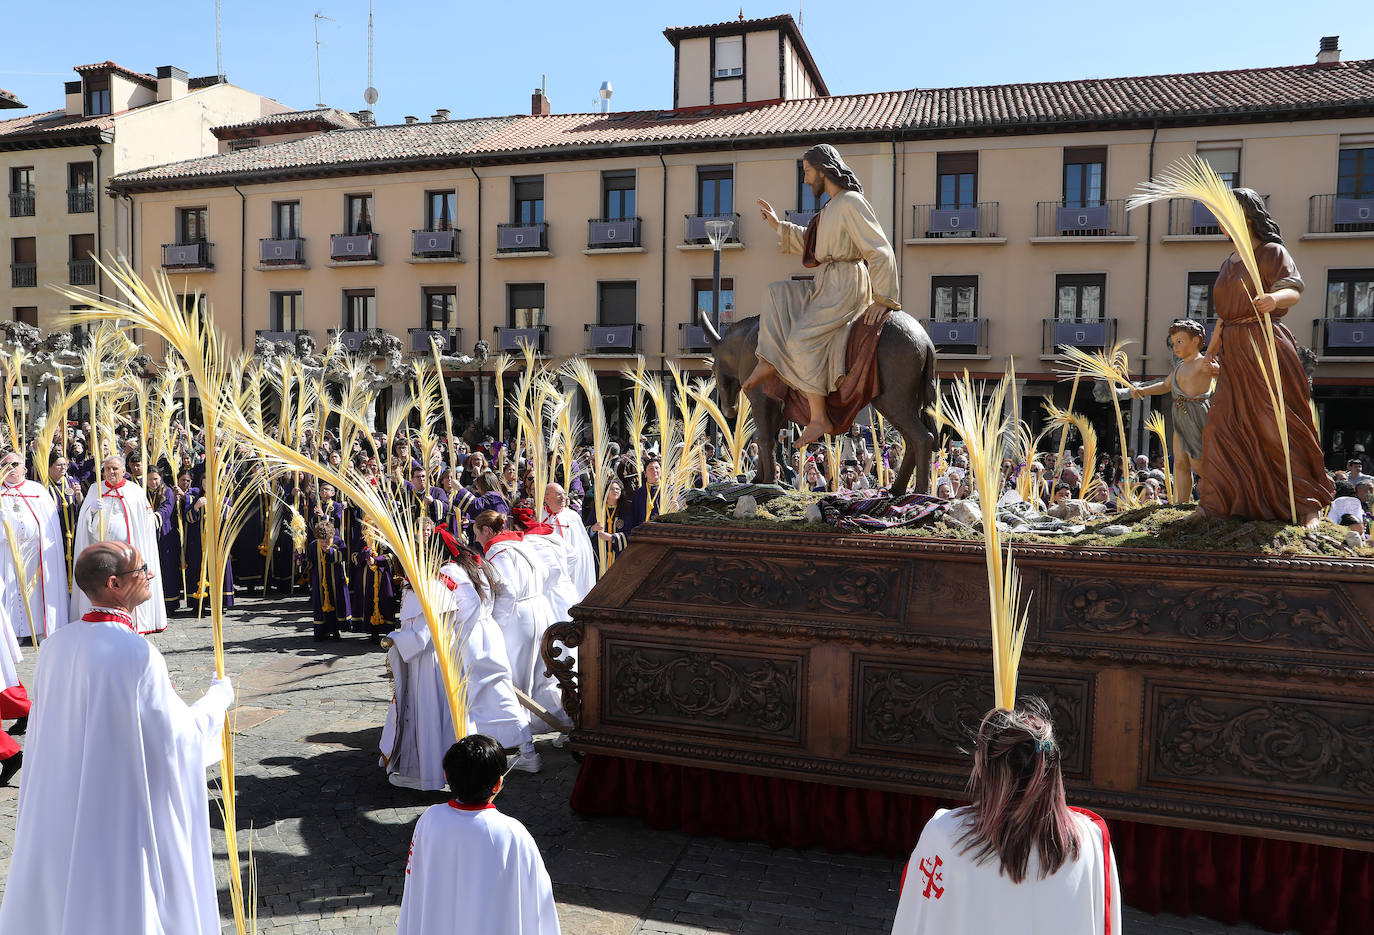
[419, 723]
[117, 510]
[1018, 859]
[114, 818]
[471, 868]
[36, 588]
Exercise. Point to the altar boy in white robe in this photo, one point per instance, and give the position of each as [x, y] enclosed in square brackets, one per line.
[117, 510]
[419, 724]
[472, 869]
[113, 832]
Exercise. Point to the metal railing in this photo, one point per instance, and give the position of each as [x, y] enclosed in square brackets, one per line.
[1335, 214]
[696, 227]
[1188, 218]
[23, 275]
[962, 222]
[22, 204]
[510, 339]
[1344, 337]
[434, 243]
[351, 247]
[609, 233]
[81, 272]
[692, 339]
[281, 337]
[1087, 335]
[1101, 219]
[522, 238]
[958, 337]
[613, 339]
[353, 340]
[80, 200]
[281, 251]
[450, 340]
[186, 255]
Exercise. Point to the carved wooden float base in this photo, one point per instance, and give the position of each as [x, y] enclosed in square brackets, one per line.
[1203, 690]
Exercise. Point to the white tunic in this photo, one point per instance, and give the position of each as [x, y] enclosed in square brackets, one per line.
[559, 587]
[472, 869]
[10, 656]
[121, 514]
[114, 820]
[419, 725]
[31, 514]
[523, 612]
[947, 893]
[581, 557]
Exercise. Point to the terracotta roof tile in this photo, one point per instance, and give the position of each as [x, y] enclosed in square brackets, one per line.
[417, 143]
[320, 117]
[49, 123]
[126, 72]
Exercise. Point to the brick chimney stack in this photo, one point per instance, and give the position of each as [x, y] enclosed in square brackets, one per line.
[539, 104]
[1330, 51]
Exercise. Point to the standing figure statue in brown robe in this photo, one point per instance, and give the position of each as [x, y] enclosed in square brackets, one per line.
[1246, 475]
[804, 326]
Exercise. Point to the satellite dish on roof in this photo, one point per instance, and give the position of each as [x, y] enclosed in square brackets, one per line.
[370, 95]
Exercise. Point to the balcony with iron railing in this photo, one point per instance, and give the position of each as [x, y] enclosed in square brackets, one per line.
[22, 204]
[422, 340]
[81, 272]
[352, 341]
[80, 200]
[23, 275]
[965, 223]
[1343, 337]
[958, 337]
[281, 337]
[613, 339]
[282, 251]
[187, 256]
[511, 339]
[1060, 222]
[613, 233]
[696, 234]
[435, 244]
[1084, 335]
[353, 248]
[522, 238]
[1338, 215]
[801, 217]
[692, 339]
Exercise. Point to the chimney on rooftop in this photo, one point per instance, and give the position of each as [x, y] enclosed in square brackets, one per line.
[365, 118]
[171, 83]
[74, 101]
[411, 119]
[440, 115]
[1330, 51]
[539, 103]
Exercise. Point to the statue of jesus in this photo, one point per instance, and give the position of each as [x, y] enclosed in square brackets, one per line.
[804, 326]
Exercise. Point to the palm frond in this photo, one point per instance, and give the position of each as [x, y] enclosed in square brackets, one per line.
[1154, 423]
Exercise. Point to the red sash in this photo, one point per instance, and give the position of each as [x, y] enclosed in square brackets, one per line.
[105, 616]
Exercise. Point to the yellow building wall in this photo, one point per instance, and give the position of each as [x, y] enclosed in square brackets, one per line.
[694, 72]
[761, 65]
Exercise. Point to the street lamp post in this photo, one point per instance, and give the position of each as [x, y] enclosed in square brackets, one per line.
[717, 229]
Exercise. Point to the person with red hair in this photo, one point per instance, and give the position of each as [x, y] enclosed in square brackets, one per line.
[1019, 859]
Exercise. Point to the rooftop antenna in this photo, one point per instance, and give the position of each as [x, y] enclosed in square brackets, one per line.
[370, 95]
[319, 89]
[219, 45]
[799, 16]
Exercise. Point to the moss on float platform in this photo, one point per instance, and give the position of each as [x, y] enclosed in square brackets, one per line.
[1168, 527]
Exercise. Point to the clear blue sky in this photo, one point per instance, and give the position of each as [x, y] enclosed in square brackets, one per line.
[484, 58]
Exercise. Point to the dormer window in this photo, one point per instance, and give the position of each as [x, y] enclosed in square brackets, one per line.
[729, 55]
[97, 96]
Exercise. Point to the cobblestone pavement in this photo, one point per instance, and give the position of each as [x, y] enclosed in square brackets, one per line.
[330, 835]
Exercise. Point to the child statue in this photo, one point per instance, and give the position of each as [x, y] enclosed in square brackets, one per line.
[1191, 385]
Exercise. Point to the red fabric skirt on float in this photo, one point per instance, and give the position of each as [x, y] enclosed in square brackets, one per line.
[1279, 885]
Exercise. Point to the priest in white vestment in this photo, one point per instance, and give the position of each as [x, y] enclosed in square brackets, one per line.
[471, 868]
[117, 510]
[114, 819]
[36, 586]
[14, 700]
[568, 525]
[419, 724]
